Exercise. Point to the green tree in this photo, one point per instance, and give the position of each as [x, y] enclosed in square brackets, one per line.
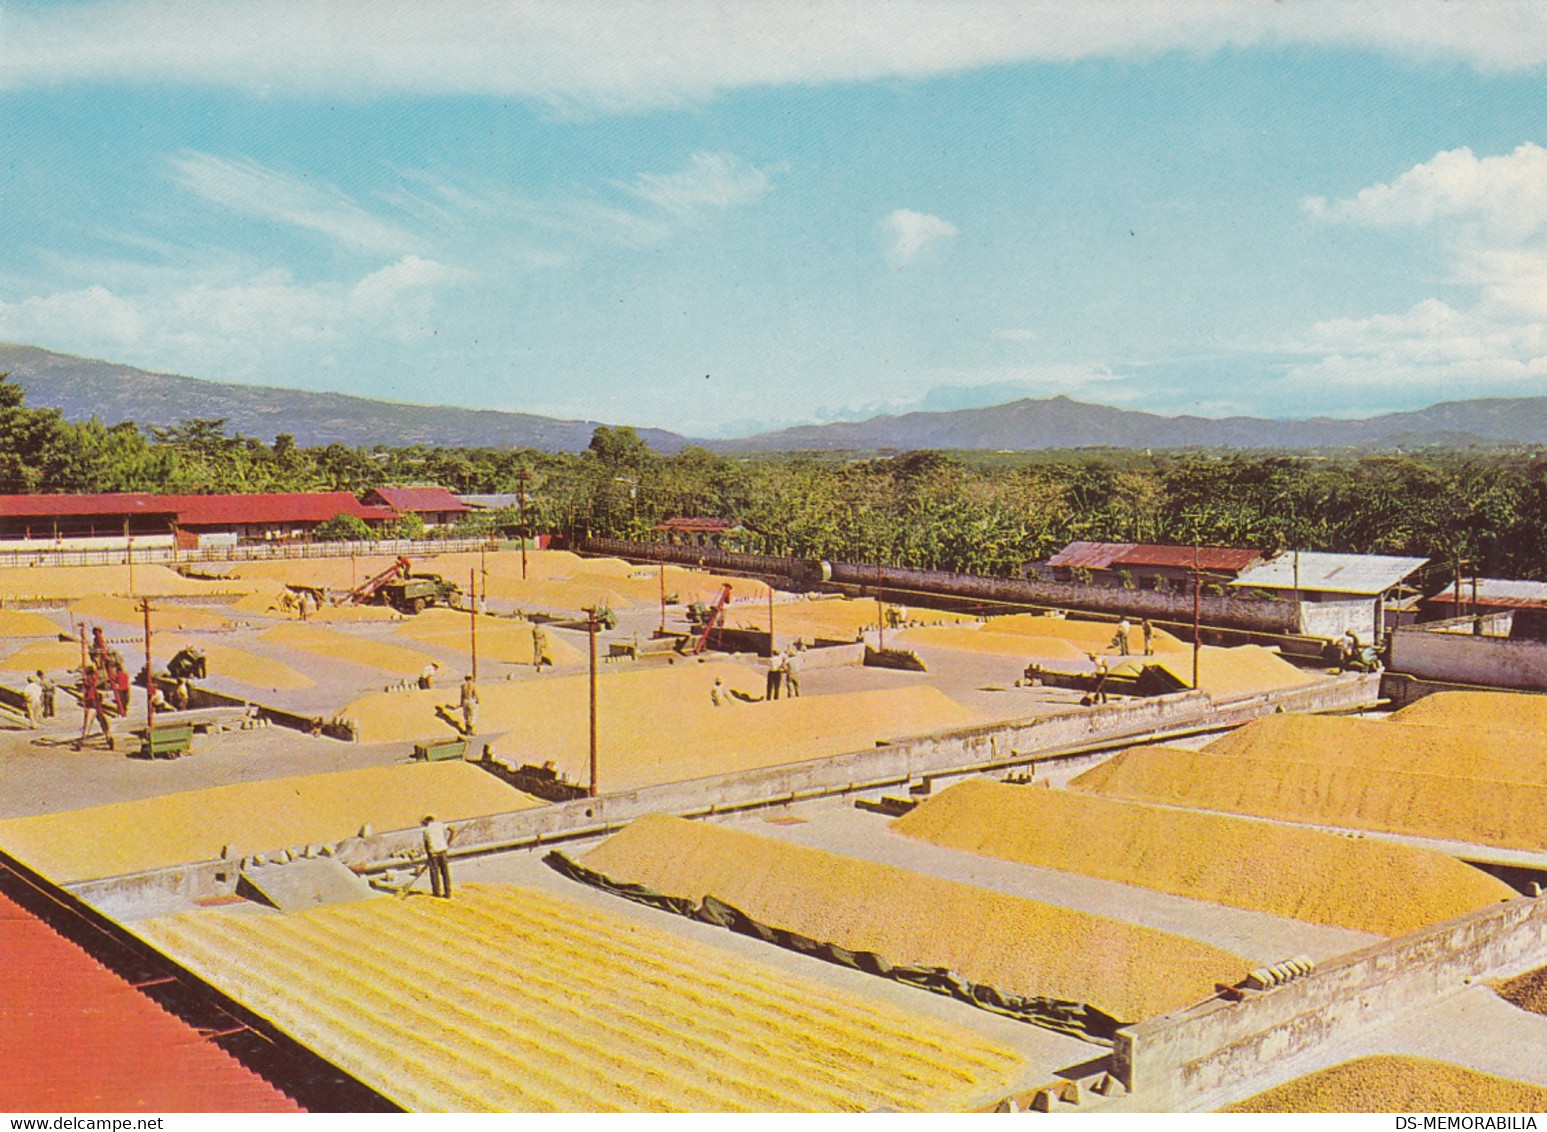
[343, 528]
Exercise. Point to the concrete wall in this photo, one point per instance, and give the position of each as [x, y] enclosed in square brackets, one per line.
[1335, 617]
[1464, 659]
[963, 751]
[1230, 611]
[1191, 1052]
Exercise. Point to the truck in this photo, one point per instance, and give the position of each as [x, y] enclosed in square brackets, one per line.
[417, 592]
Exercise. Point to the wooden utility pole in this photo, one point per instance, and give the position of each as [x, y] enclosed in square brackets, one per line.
[770, 617]
[129, 555]
[521, 498]
[150, 679]
[1197, 614]
[472, 622]
[591, 632]
[663, 591]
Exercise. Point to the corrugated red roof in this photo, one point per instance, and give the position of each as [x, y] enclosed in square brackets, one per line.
[274, 507]
[74, 1037]
[118, 503]
[1091, 555]
[1226, 558]
[202, 510]
[418, 499]
[1105, 555]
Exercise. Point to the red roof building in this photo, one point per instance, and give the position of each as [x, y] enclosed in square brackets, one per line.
[1147, 565]
[187, 518]
[435, 505]
[74, 1037]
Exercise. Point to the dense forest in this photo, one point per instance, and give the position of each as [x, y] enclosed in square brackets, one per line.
[961, 512]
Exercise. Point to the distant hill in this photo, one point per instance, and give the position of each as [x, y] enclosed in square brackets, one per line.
[83, 387]
[1061, 422]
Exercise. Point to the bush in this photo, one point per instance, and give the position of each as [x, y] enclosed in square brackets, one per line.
[343, 528]
[410, 526]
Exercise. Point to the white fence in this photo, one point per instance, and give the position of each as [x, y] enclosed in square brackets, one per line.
[262, 552]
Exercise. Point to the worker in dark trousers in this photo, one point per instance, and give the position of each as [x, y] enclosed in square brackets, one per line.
[775, 676]
[437, 855]
[1100, 694]
[1149, 637]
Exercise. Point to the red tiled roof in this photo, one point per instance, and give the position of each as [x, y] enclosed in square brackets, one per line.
[74, 1037]
[418, 499]
[274, 507]
[120, 503]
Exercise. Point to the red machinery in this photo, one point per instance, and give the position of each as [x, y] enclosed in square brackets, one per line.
[366, 590]
[715, 615]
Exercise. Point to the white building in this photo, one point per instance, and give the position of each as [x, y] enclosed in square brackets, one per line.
[1335, 592]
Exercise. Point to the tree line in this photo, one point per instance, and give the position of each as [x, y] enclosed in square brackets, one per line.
[925, 509]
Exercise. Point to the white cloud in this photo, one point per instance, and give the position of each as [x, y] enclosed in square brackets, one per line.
[628, 54]
[710, 180]
[251, 189]
[911, 234]
[230, 326]
[1489, 218]
[1506, 194]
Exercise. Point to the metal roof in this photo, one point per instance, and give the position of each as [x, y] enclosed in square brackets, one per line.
[74, 1037]
[1321, 572]
[274, 507]
[1502, 592]
[1091, 555]
[200, 510]
[115, 504]
[422, 498]
[1105, 555]
[1223, 558]
[492, 501]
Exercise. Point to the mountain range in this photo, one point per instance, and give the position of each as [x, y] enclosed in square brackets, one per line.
[83, 387]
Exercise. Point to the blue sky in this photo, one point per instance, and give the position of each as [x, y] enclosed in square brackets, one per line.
[717, 219]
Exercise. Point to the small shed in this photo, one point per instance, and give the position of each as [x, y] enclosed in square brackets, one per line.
[1336, 592]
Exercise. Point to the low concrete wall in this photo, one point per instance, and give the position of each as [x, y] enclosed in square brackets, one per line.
[964, 751]
[1191, 1052]
[1460, 658]
[989, 747]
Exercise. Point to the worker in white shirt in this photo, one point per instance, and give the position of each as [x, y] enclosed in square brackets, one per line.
[32, 694]
[437, 854]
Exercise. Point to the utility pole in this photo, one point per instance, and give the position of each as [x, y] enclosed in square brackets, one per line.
[472, 609]
[1299, 620]
[129, 555]
[770, 617]
[1197, 614]
[150, 680]
[880, 613]
[521, 498]
[591, 632]
[663, 591]
[1458, 587]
